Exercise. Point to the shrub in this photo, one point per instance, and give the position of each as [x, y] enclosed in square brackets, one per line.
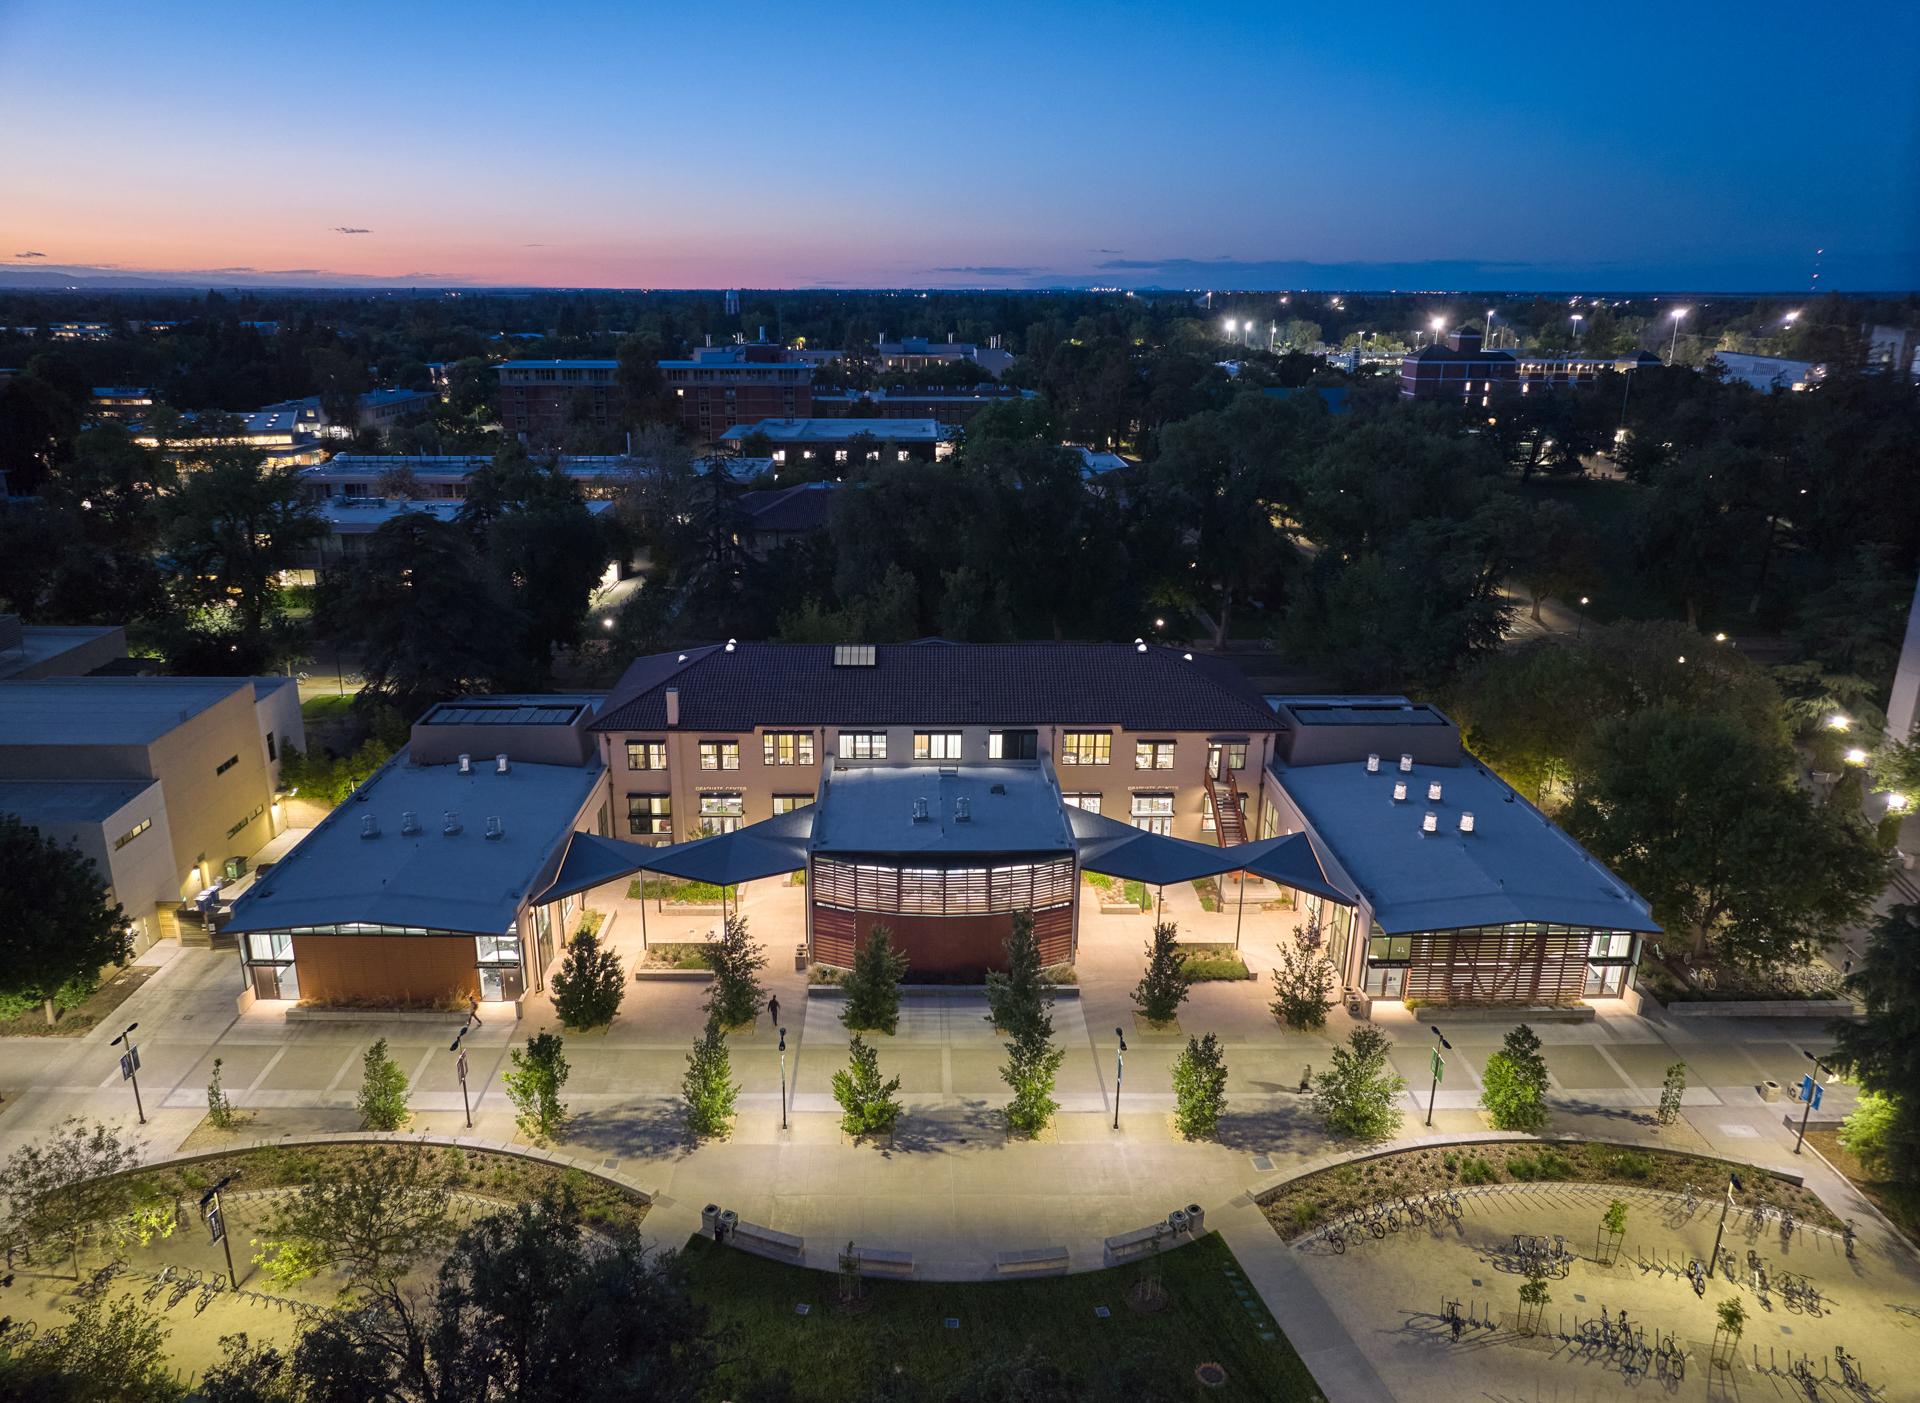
[1545, 1165]
[1032, 1065]
[1305, 1213]
[534, 1079]
[219, 1110]
[867, 1104]
[1864, 1134]
[383, 1090]
[1672, 1089]
[1630, 1164]
[1358, 1095]
[1515, 1085]
[1164, 986]
[872, 986]
[1302, 989]
[589, 985]
[708, 1086]
[1199, 1087]
[1732, 1316]
[1615, 1218]
[1476, 1170]
[735, 996]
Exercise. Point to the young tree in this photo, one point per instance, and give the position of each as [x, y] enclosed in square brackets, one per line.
[220, 1112]
[1031, 1068]
[1672, 1089]
[1514, 1092]
[708, 1086]
[1017, 1001]
[1165, 985]
[1199, 1087]
[383, 1090]
[1882, 1048]
[1533, 1299]
[535, 1078]
[60, 928]
[867, 1102]
[62, 1187]
[371, 1217]
[110, 1350]
[1302, 988]
[872, 986]
[589, 985]
[1358, 1095]
[735, 997]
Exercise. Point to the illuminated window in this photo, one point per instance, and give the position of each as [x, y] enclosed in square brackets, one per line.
[787, 803]
[1086, 747]
[719, 754]
[1153, 755]
[1013, 745]
[649, 815]
[863, 745]
[721, 811]
[141, 827]
[936, 745]
[646, 755]
[787, 747]
[1234, 751]
[1087, 799]
[1153, 812]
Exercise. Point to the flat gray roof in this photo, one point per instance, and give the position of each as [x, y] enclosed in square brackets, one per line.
[427, 880]
[105, 710]
[506, 711]
[39, 642]
[834, 430]
[869, 809]
[70, 801]
[1516, 865]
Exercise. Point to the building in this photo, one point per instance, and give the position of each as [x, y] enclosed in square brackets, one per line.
[723, 385]
[352, 518]
[80, 331]
[843, 440]
[444, 477]
[378, 409]
[1894, 350]
[1462, 891]
[288, 437]
[29, 651]
[540, 400]
[1768, 373]
[768, 520]
[918, 353]
[1461, 370]
[122, 403]
[955, 406]
[423, 889]
[203, 755]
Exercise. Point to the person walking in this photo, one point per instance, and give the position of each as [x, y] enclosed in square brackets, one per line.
[773, 1010]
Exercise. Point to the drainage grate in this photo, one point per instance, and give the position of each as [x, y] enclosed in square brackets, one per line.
[1263, 1163]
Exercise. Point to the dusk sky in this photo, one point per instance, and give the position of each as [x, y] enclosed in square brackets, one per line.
[740, 144]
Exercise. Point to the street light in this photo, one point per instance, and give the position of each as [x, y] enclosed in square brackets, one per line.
[1813, 1090]
[1733, 1183]
[130, 1068]
[1838, 721]
[783, 1078]
[1896, 803]
[460, 1070]
[1577, 319]
[1436, 1069]
[1673, 347]
[1580, 616]
[1856, 756]
[1119, 1071]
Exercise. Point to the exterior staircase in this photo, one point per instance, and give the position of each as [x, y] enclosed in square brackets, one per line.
[1229, 818]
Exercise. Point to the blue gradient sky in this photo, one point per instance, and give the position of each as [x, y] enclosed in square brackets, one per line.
[1614, 146]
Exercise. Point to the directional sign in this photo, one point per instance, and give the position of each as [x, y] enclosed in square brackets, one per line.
[216, 1223]
[129, 1064]
[1439, 1064]
[1817, 1092]
[461, 1065]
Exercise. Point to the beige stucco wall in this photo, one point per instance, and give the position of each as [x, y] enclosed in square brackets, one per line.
[213, 815]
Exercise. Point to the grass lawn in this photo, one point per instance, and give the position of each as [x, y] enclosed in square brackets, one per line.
[1207, 963]
[835, 1353]
[114, 991]
[673, 889]
[326, 708]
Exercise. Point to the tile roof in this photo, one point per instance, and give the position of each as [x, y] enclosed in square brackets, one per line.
[934, 682]
[804, 507]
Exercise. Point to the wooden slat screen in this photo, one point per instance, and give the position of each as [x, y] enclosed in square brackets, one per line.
[1512, 966]
[943, 891]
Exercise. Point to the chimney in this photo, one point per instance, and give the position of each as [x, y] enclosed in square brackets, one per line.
[1406, 764]
[500, 764]
[450, 822]
[409, 822]
[920, 810]
[466, 764]
[1399, 791]
[1466, 822]
[673, 706]
[1433, 792]
[495, 828]
[962, 810]
[369, 826]
[1430, 823]
[1373, 764]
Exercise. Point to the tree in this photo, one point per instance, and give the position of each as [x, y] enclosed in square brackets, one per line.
[371, 1217]
[1166, 983]
[58, 926]
[536, 1075]
[383, 1090]
[1672, 1089]
[735, 997]
[872, 986]
[68, 1184]
[1199, 1087]
[1533, 1298]
[589, 985]
[708, 1086]
[1017, 1000]
[250, 1373]
[1865, 1132]
[220, 1112]
[1358, 1095]
[1882, 1047]
[867, 1103]
[1303, 985]
[110, 1350]
[1032, 1065]
[1514, 1087]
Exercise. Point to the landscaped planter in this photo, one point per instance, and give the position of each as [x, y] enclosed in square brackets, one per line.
[1762, 1008]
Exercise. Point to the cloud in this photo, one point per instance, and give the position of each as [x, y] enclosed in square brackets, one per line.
[993, 270]
[533, 246]
[349, 229]
[30, 253]
[1106, 250]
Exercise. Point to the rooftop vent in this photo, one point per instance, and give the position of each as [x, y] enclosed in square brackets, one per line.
[466, 764]
[1373, 764]
[1466, 823]
[1406, 764]
[996, 789]
[1187, 656]
[450, 822]
[962, 810]
[1433, 791]
[683, 657]
[495, 828]
[409, 822]
[731, 643]
[920, 810]
[369, 826]
[853, 655]
[1430, 823]
[499, 764]
[1399, 790]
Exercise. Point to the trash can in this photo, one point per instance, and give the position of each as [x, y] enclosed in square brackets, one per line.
[710, 1220]
[1769, 1091]
[729, 1220]
[1196, 1219]
[1177, 1221]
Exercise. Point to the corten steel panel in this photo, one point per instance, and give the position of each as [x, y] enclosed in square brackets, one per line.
[1499, 968]
[386, 969]
[940, 944]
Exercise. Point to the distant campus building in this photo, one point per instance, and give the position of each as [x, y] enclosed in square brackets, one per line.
[1462, 371]
[539, 400]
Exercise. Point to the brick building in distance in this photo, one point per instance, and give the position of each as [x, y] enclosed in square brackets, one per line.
[540, 399]
[1461, 369]
[725, 385]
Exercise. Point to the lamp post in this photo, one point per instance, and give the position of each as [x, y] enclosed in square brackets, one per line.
[130, 1068]
[1733, 1182]
[1580, 616]
[1577, 319]
[1813, 1090]
[460, 1070]
[1119, 1071]
[217, 1224]
[1673, 346]
[1436, 1069]
[783, 1078]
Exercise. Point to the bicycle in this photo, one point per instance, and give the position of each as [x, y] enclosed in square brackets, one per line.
[1786, 1224]
[1689, 1200]
[1376, 1225]
[1849, 1374]
[1698, 1277]
[1415, 1218]
[1455, 1211]
[1847, 1232]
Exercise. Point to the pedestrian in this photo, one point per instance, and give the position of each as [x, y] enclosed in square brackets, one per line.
[473, 1009]
[773, 1010]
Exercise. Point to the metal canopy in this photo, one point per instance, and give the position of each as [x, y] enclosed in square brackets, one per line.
[1120, 850]
[771, 848]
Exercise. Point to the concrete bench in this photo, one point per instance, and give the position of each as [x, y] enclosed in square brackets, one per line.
[1034, 1261]
[1138, 1243]
[766, 1242]
[876, 1261]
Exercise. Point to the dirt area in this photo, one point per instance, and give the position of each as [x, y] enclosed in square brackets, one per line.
[85, 1016]
[1900, 1202]
[1299, 1207]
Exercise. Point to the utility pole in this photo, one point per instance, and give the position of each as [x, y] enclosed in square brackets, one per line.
[130, 1068]
[783, 1078]
[1119, 1071]
[460, 1070]
[1438, 1063]
[1812, 1095]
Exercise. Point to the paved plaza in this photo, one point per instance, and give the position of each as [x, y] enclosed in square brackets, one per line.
[950, 1187]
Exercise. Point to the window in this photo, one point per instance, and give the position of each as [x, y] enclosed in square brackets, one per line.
[226, 764]
[863, 745]
[497, 949]
[1153, 812]
[141, 827]
[273, 749]
[719, 754]
[1013, 745]
[258, 809]
[1233, 751]
[646, 755]
[1089, 800]
[1611, 945]
[1153, 755]
[936, 745]
[787, 803]
[270, 945]
[649, 815]
[787, 747]
[1086, 747]
[721, 811]
[1390, 949]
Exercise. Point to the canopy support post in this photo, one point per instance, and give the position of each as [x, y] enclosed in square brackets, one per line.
[1240, 911]
[643, 908]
